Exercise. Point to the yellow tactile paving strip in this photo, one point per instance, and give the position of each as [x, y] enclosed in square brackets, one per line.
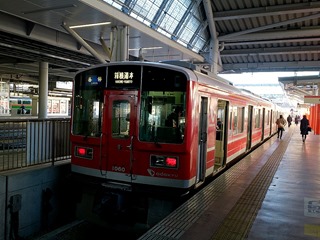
[240, 219]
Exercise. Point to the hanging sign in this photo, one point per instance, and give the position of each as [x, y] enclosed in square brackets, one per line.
[312, 99]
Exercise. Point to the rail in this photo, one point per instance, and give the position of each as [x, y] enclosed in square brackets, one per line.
[28, 142]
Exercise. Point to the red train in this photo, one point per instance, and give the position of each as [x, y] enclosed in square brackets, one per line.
[123, 140]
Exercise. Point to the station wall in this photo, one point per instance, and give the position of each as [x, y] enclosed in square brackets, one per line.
[34, 200]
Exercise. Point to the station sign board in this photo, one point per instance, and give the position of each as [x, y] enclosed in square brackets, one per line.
[312, 99]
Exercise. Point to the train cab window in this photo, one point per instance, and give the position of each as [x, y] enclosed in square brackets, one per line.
[88, 103]
[163, 91]
[154, 117]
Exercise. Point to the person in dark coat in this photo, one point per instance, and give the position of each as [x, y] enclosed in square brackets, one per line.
[289, 120]
[304, 124]
[173, 119]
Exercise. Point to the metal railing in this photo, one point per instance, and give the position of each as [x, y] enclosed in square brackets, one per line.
[30, 142]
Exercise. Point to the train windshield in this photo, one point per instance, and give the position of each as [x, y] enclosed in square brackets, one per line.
[163, 101]
[88, 102]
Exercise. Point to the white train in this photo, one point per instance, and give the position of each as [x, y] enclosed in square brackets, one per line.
[57, 106]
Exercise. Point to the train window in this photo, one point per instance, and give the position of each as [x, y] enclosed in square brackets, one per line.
[257, 118]
[163, 92]
[88, 103]
[230, 121]
[268, 118]
[120, 122]
[26, 102]
[238, 120]
[235, 121]
[155, 110]
[87, 117]
[241, 119]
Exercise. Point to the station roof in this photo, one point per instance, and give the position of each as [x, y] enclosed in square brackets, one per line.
[253, 35]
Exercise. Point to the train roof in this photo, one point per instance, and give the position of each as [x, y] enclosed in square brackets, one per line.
[142, 63]
[194, 73]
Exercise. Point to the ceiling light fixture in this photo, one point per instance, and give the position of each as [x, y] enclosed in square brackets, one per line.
[90, 25]
[148, 48]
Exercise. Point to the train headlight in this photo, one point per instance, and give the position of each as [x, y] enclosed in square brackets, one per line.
[164, 161]
[83, 152]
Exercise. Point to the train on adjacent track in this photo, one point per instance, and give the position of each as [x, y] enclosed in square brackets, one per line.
[25, 105]
[123, 145]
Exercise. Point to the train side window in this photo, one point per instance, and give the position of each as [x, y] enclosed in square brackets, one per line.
[235, 121]
[257, 117]
[238, 120]
[267, 119]
[241, 118]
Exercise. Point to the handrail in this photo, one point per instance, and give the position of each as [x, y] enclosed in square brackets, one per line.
[28, 142]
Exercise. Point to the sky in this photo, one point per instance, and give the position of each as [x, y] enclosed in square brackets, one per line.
[275, 93]
[262, 77]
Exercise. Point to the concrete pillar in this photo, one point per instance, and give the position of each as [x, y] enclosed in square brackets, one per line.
[119, 42]
[124, 54]
[43, 89]
[214, 47]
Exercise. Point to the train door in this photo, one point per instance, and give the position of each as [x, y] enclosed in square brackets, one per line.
[203, 133]
[221, 135]
[119, 134]
[249, 127]
[263, 123]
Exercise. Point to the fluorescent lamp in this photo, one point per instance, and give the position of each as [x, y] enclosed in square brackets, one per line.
[148, 48]
[90, 25]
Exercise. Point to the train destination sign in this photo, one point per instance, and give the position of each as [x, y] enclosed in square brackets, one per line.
[123, 77]
[312, 99]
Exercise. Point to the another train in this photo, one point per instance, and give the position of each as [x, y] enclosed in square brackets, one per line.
[25, 105]
[123, 145]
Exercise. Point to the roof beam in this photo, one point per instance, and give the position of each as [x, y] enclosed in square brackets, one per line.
[267, 11]
[275, 35]
[115, 13]
[210, 19]
[300, 80]
[296, 40]
[301, 19]
[272, 66]
[270, 51]
[83, 43]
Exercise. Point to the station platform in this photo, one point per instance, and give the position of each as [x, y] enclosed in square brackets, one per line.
[273, 193]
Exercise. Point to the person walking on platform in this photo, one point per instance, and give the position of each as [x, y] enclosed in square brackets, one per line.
[281, 122]
[296, 120]
[304, 125]
[289, 120]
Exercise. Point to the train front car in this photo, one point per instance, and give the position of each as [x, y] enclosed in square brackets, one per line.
[129, 130]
